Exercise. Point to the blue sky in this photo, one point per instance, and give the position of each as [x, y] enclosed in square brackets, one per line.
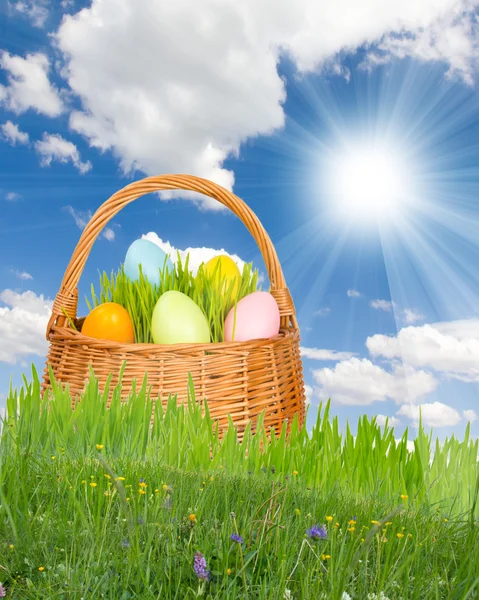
[300, 118]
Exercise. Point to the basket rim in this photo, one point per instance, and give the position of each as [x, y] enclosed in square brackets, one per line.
[66, 333]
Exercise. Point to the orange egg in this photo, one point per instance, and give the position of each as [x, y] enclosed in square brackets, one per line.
[109, 321]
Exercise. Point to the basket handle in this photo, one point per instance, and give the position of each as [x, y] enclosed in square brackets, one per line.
[67, 298]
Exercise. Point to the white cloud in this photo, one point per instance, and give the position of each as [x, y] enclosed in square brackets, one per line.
[23, 323]
[189, 81]
[322, 312]
[392, 421]
[82, 218]
[309, 393]
[353, 294]
[319, 354]
[55, 147]
[434, 414]
[385, 305]
[409, 444]
[470, 415]
[12, 197]
[451, 39]
[23, 275]
[197, 255]
[28, 85]
[12, 134]
[360, 382]
[412, 316]
[35, 10]
[451, 348]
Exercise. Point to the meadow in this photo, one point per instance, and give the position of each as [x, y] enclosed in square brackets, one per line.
[99, 503]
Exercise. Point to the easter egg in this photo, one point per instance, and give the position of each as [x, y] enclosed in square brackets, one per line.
[178, 320]
[225, 268]
[257, 316]
[109, 321]
[151, 258]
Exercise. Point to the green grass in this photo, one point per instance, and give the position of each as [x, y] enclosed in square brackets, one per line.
[111, 540]
[140, 297]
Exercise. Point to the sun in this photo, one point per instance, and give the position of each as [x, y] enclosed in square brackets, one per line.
[370, 182]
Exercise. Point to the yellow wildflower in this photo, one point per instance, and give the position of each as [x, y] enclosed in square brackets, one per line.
[362, 539]
[409, 535]
[41, 568]
[329, 518]
[142, 484]
[295, 473]
[336, 525]
[404, 496]
[107, 476]
[127, 499]
[352, 529]
[228, 571]
[297, 512]
[156, 491]
[92, 484]
[100, 446]
[399, 535]
[376, 523]
[83, 481]
[53, 457]
[140, 491]
[446, 520]
[11, 546]
[119, 478]
[165, 487]
[106, 493]
[325, 556]
[388, 523]
[351, 522]
[192, 518]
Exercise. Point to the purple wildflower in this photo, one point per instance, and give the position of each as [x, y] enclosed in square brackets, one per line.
[125, 543]
[317, 532]
[3, 591]
[237, 538]
[200, 567]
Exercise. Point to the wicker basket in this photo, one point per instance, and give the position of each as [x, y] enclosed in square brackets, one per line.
[239, 378]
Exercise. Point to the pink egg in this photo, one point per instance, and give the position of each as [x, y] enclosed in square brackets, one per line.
[257, 316]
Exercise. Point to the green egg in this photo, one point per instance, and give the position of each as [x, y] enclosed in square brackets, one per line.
[177, 319]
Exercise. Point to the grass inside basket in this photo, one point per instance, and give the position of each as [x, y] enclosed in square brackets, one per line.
[140, 297]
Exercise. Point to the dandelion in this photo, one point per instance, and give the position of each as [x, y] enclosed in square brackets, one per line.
[41, 569]
[192, 518]
[120, 478]
[399, 535]
[376, 523]
[53, 457]
[3, 591]
[142, 484]
[200, 567]
[317, 532]
[106, 475]
[100, 446]
[404, 496]
[329, 518]
[236, 538]
[166, 488]
[228, 571]
[93, 484]
[156, 491]
[388, 523]
[325, 556]
[142, 492]
[352, 522]
[11, 546]
[295, 473]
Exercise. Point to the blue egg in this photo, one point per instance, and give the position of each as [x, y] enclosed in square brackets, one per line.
[150, 256]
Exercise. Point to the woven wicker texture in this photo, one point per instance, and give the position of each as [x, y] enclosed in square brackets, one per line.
[239, 378]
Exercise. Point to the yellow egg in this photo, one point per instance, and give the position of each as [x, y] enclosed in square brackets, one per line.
[227, 268]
